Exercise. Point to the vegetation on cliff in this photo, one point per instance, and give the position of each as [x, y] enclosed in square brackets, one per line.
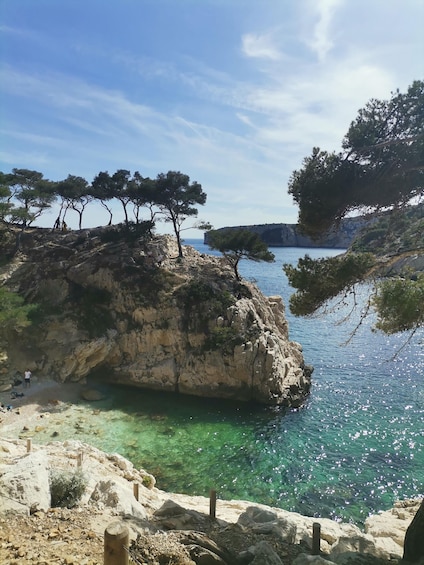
[26, 194]
[119, 302]
[238, 244]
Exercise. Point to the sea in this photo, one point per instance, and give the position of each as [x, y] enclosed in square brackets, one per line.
[355, 447]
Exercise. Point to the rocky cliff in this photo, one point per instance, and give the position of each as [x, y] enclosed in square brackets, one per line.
[289, 235]
[129, 310]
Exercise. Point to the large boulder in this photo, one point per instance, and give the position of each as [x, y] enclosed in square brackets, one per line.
[25, 486]
[261, 521]
[112, 494]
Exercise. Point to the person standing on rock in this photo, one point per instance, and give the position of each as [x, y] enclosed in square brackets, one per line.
[27, 379]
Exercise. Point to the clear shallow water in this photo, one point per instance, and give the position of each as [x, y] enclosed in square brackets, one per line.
[355, 447]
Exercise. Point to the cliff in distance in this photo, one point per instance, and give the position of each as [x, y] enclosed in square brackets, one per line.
[289, 235]
[128, 310]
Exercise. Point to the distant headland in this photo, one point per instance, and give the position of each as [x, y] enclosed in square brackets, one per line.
[289, 235]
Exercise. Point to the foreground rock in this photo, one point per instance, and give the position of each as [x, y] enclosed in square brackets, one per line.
[133, 313]
[162, 525]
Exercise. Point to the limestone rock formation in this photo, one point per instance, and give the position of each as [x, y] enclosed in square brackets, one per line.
[289, 235]
[128, 310]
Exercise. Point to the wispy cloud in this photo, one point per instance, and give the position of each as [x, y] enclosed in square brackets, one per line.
[261, 46]
[324, 11]
[236, 113]
[17, 32]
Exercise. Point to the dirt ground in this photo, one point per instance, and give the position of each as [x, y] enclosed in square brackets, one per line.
[60, 536]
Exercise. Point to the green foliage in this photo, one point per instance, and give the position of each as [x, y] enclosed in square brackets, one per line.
[236, 244]
[148, 481]
[66, 488]
[32, 192]
[400, 304]
[177, 198]
[379, 170]
[223, 338]
[5, 195]
[92, 307]
[320, 190]
[201, 302]
[14, 313]
[197, 292]
[124, 187]
[400, 231]
[242, 291]
[370, 240]
[317, 281]
[200, 299]
[25, 194]
[131, 233]
[381, 165]
[76, 193]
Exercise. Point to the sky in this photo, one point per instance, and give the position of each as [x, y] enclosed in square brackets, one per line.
[233, 93]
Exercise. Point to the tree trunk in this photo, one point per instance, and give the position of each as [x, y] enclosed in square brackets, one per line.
[413, 550]
[177, 233]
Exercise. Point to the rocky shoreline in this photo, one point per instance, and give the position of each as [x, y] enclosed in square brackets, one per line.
[29, 526]
[161, 519]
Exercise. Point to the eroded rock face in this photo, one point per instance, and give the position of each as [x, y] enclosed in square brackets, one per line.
[110, 307]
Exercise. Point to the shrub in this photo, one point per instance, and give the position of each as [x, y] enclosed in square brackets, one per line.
[201, 302]
[66, 488]
[94, 315]
[223, 338]
[131, 233]
[148, 481]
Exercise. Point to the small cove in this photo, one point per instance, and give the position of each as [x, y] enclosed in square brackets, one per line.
[355, 446]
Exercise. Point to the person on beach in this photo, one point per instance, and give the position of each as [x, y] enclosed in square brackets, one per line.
[27, 379]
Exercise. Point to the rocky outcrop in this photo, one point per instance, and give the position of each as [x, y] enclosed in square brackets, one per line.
[177, 524]
[132, 312]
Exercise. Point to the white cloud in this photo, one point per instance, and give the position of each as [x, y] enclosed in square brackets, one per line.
[260, 46]
[237, 121]
[245, 119]
[324, 10]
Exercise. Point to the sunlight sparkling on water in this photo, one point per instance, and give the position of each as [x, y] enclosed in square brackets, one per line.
[355, 446]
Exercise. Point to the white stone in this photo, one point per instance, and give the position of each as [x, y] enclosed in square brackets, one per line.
[24, 483]
[306, 559]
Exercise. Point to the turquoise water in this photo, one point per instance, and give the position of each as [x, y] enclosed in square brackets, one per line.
[355, 447]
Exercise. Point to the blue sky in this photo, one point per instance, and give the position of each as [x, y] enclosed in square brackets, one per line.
[234, 93]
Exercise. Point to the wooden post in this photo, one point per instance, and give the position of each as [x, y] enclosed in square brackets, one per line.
[116, 544]
[28, 445]
[79, 459]
[212, 503]
[135, 489]
[316, 538]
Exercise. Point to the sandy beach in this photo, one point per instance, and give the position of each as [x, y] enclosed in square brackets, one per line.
[39, 399]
